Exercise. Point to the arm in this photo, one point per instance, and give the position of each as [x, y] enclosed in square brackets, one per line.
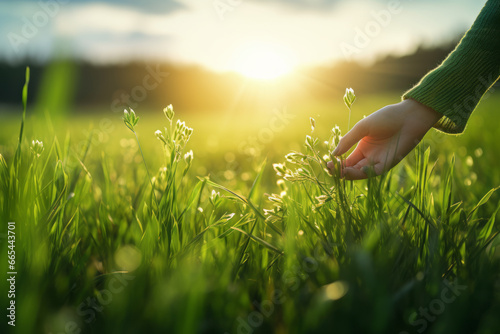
[455, 87]
[443, 99]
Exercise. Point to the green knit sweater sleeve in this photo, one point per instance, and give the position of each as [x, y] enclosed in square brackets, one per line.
[456, 86]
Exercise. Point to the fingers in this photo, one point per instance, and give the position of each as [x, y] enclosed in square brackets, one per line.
[363, 171]
[331, 167]
[379, 169]
[354, 158]
[350, 138]
[351, 173]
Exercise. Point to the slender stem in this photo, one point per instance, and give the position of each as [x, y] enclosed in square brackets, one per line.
[349, 122]
[348, 128]
[143, 159]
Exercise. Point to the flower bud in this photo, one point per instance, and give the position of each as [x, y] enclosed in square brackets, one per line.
[349, 97]
[130, 119]
[169, 112]
[336, 136]
[188, 157]
[215, 198]
[159, 136]
[37, 147]
[310, 142]
[294, 157]
[280, 169]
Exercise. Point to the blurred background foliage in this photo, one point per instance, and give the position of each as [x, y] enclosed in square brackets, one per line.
[79, 86]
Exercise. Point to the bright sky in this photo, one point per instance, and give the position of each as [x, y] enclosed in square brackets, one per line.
[263, 38]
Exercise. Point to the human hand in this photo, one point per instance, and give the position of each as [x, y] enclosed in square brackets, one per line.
[385, 138]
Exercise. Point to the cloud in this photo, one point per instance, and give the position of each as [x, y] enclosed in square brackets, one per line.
[314, 5]
[121, 47]
[115, 31]
[146, 6]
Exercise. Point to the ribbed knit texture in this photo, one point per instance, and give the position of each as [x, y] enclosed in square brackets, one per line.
[455, 87]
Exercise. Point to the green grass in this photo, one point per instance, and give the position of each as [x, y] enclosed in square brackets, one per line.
[223, 244]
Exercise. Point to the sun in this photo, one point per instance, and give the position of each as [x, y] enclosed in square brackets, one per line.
[264, 63]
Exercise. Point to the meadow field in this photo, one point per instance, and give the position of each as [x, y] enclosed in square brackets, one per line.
[107, 236]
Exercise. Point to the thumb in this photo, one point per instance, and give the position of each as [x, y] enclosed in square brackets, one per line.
[350, 138]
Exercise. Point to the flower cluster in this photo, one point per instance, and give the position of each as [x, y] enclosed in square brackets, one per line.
[174, 139]
[313, 166]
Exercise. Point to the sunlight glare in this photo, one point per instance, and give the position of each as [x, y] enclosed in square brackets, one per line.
[263, 63]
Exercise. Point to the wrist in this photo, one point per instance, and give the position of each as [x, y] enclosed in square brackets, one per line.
[421, 113]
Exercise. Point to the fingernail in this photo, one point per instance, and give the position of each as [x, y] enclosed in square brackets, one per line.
[335, 151]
